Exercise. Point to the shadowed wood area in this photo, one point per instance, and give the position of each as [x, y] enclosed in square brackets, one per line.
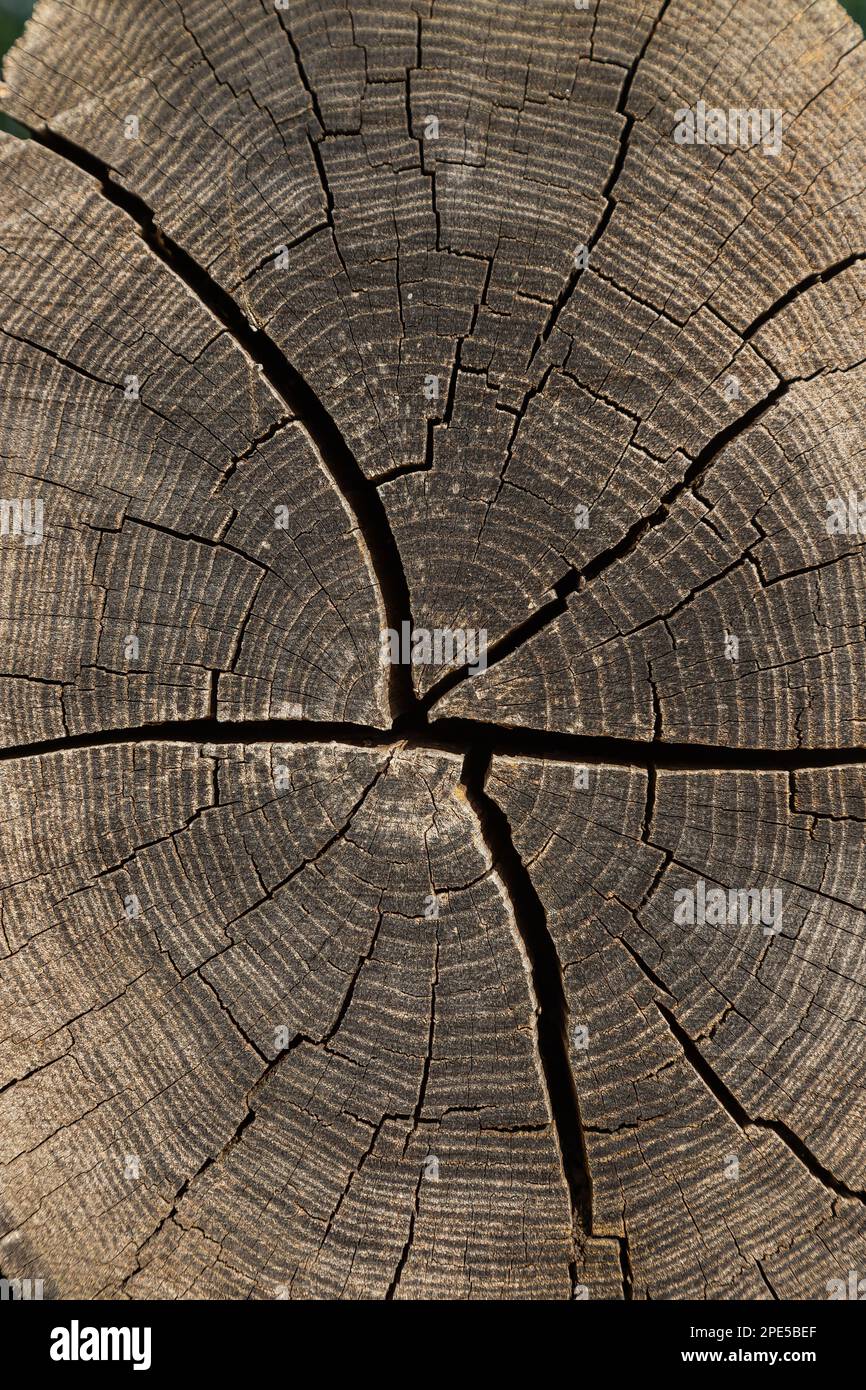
[340, 958]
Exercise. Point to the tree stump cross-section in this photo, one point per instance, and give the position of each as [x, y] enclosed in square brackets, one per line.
[433, 612]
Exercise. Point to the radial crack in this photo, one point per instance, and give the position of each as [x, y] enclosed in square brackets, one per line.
[578, 579]
[743, 1120]
[547, 985]
[358, 493]
[456, 736]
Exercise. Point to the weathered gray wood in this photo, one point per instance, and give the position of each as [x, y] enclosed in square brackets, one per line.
[777, 1018]
[160, 511]
[283, 1036]
[298, 343]
[743, 552]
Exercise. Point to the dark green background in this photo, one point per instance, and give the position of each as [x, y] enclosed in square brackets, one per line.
[13, 13]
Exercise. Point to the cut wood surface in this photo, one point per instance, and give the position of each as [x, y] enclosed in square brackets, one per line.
[328, 974]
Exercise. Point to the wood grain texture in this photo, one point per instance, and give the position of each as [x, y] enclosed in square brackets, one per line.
[161, 508]
[709, 1042]
[328, 977]
[270, 1159]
